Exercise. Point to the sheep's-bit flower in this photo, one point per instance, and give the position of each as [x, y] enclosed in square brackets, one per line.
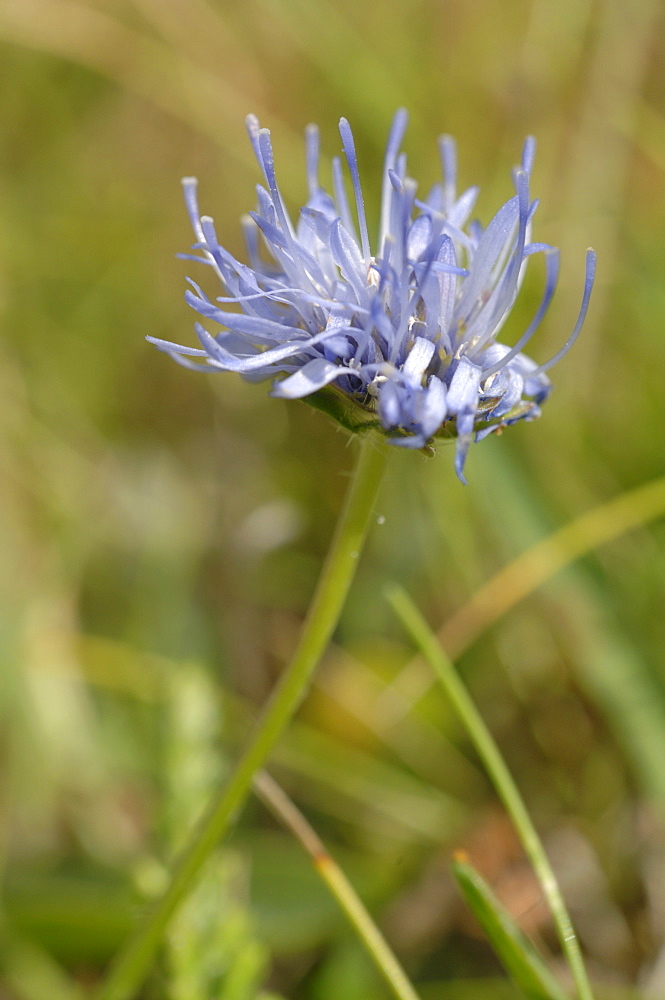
[403, 339]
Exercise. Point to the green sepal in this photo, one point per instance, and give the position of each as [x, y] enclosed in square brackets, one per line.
[349, 412]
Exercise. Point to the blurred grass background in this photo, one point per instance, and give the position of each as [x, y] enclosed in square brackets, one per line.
[161, 531]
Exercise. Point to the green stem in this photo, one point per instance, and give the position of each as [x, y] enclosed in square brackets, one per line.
[501, 777]
[376, 945]
[134, 961]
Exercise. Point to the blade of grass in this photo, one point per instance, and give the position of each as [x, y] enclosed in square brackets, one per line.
[376, 945]
[606, 111]
[168, 78]
[516, 952]
[525, 574]
[501, 777]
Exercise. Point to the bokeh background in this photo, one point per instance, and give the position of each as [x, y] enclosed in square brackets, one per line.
[161, 531]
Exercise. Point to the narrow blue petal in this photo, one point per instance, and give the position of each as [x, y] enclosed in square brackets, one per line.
[395, 137]
[349, 260]
[448, 154]
[485, 432]
[511, 384]
[318, 223]
[224, 261]
[352, 160]
[312, 144]
[275, 236]
[169, 348]
[193, 366]
[253, 129]
[463, 387]
[193, 256]
[552, 276]
[312, 376]
[189, 190]
[251, 233]
[588, 286]
[528, 154]
[464, 439]
[247, 364]
[295, 253]
[341, 200]
[507, 286]
[532, 248]
[265, 145]
[435, 407]
[418, 359]
[253, 326]
[389, 405]
[488, 319]
[492, 245]
[419, 238]
[463, 207]
[447, 289]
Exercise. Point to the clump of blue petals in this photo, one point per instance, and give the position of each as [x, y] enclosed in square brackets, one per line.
[408, 333]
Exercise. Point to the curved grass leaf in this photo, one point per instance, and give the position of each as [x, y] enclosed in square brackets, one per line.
[514, 950]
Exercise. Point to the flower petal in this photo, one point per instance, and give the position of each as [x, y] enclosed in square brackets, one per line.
[230, 362]
[312, 376]
[348, 258]
[463, 388]
[434, 408]
[418, 359]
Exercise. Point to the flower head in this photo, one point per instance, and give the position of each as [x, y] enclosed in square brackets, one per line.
[403, 338]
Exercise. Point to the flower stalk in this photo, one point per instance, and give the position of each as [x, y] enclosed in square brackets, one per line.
[134, 961]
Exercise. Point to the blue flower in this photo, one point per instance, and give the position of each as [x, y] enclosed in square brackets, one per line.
[404, 338]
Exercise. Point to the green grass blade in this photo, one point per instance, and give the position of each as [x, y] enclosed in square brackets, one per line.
[514, 950]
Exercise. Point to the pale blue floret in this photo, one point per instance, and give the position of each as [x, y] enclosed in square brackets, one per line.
[409, 332]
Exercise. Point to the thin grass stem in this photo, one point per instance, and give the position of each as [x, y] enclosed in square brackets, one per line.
[521, 577]
[501, 778]
[346, 896]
